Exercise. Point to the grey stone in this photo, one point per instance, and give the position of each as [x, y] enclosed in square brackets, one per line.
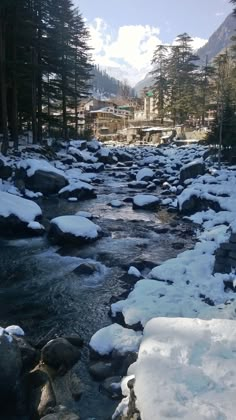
[192, 171]
[42, 181]
[10, 365]
[101, 370]
[60, 354]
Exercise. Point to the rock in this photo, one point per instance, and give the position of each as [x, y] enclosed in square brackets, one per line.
[73, 229]
[30, 357]
[80, 190]
[61, 413]
[85, 269]
[10, 366]
[192, 170]
[178, 245]
[42, 397]
[146, 202]
[75, 340]
[17, 215]
[101, 370]
[194, 204]
[60, 354]
[42, 181]
[5, 170]
[145, 174]
[112, 387]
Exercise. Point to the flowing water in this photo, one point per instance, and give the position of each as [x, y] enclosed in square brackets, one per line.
[41, 292]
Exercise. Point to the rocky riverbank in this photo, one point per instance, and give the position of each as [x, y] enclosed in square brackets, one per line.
[109, 219]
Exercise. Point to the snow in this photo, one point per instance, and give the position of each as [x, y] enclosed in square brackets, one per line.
[15, 330]
[176, 287]
[35, 226]
[133, 271]
[195, 370]
[79, 185]
[77, 226]
[143, 173]
[116, 203]
[33, 165]
[115, 337]
[144, 199]
[25, 210]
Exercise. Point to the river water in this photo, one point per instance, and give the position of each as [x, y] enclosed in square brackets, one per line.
[41, 293]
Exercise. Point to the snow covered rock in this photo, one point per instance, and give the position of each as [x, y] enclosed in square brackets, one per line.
[192, 170]
[115, 337]
[73, 229]
[17, 215]
[195, 370]
[146, 202]
[40, 175]
[81, 190]
[145, 174]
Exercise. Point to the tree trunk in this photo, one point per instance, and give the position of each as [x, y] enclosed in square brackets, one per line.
[39, 81]
[14, 103]
[64, 114]
[3, 88]
[34, 97]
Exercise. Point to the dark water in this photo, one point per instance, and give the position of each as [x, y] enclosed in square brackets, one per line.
[41, 293]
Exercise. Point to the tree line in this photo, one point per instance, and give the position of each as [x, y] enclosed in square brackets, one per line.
[45, 68]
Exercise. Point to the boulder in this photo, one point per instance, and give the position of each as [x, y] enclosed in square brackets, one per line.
[86, 269]
[192, 170]
[18, 215]
[73, 229]
[146, 202]
[46, 181]
[10, 365]
[60, 354]
[5, 170]
[81, 190]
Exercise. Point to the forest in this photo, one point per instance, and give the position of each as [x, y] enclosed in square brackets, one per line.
[45, 68]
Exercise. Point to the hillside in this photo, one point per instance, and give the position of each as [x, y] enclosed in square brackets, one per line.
[219, 40]
[104, 85]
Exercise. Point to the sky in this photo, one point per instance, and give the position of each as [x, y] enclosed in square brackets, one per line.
[124, 33]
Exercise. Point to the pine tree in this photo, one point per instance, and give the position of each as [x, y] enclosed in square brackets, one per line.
[161, 85]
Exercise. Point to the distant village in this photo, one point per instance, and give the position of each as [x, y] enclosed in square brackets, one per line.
[133, 120]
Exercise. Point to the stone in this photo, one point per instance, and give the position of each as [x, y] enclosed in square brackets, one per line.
[10, 364]
[29, 355]
[5, 170]
[42, 397]
[101, 370]
[85, 269]
[42, 181]
[60, 354]
[112, 387]
[194, 204]
[233, 238]
[61, 413]
[192, 171]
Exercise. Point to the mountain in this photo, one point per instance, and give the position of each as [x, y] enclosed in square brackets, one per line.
[218, 41]
[105, 86]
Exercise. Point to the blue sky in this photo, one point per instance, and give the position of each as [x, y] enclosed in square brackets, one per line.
[124, 32]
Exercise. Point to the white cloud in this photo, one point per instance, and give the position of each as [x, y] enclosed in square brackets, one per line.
[131, 48]
[198, 42]
[127, 53]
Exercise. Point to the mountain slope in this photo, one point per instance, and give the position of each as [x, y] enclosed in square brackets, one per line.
[219, 40]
